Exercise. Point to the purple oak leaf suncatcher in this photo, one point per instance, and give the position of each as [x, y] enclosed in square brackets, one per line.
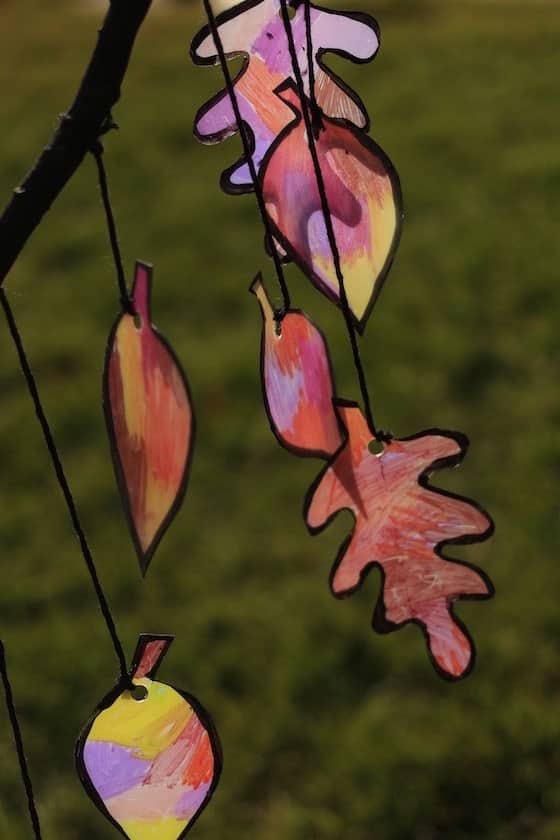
[256, 32]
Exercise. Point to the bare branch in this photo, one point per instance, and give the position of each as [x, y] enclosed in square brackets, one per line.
[80, 127]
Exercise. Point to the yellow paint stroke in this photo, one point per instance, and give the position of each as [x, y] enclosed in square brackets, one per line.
[148, 726]
[166, 829]
[361, 271]
[129, 348]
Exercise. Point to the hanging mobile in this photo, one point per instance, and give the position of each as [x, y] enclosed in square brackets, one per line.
[332, 201]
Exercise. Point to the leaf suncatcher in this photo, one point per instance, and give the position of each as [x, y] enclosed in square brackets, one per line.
[150, 758]
[402, 526]
[297, 381]
[255, 31]
[149, 420]
[365, 203]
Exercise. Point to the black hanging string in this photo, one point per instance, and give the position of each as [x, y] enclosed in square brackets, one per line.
[64, 486]
[317, 121]
[311, 130]
[24, 769]
[249, 156]
[97, 152]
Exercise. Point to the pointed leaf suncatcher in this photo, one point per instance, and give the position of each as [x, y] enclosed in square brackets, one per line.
[150, 758]
[149, 419]
[331, 201]
[363, 194]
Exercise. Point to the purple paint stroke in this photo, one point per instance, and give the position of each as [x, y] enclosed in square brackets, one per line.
[331, 31]
[283, 391]
[191, 801]
[113, 769]
[220, 120]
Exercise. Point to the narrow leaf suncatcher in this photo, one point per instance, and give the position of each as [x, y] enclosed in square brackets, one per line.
[149, 419]
[330, 201]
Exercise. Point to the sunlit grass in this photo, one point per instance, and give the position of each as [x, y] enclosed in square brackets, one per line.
[329, 731]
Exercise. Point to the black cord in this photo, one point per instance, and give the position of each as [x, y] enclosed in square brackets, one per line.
[317, 121]
[310, 129]
[64, 486]
[97, 152]
[249, 156]
[24, 769]
[99, 91]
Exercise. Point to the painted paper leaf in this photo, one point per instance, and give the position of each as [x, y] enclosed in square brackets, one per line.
[150, 765]
[401, 526]
[364, 196]
[149, 419]
[255, 30]
[297, 381]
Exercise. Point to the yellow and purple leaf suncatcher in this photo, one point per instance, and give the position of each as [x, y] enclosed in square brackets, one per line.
[149, 419]
[364, 198]
[150, 759]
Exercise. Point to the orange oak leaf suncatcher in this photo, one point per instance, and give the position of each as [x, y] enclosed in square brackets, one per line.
[402, 525]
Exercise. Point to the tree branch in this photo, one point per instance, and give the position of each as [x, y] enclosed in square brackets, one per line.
[79, 128]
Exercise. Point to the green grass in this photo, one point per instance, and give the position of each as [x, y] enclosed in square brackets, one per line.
[329, 732]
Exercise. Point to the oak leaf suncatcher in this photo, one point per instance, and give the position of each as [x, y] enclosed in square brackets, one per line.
[402, 526]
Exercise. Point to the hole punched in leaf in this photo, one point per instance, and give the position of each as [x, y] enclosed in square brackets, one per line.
[139, 693]
[376, 446]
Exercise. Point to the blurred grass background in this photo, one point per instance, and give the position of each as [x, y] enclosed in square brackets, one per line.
[328, 731]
